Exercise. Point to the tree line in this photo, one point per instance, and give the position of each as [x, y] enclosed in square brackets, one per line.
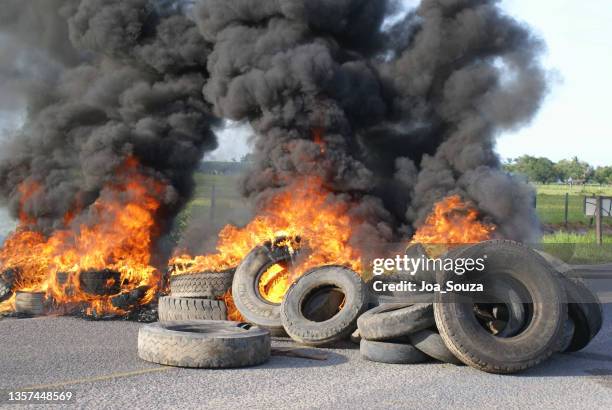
[543, 170]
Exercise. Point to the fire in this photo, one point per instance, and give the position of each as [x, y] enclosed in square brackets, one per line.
[232, 311]
[304, 210]
[115, 233]
[453, 221]
[273, 283]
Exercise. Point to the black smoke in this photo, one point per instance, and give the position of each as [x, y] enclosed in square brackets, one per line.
[102, 80]
[409, 113]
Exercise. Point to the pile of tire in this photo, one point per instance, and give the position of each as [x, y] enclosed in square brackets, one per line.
[533, 311]
[193, 331]
[196, 296]
[319, 308]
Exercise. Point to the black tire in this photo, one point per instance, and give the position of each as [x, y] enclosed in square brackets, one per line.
[209, 285]
[253, 307]
[204, 344]
[431, 343]
[390, 352]
[178, 309]
[30, 303]
[338, 327]
[395, 320]
[100, 282]
[585, 310]
[475, 346]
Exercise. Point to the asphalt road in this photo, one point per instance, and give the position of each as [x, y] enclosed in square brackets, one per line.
[98, 360]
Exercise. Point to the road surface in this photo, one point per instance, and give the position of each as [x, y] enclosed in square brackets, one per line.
[99, 362]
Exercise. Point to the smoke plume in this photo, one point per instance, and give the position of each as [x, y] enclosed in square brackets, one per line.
[104, 81]
[408, 113]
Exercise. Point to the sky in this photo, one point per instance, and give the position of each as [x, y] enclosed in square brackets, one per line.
[574, 119]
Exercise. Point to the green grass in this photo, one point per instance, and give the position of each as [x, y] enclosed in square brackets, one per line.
[578, 249]
[230, 207]
[568, 237]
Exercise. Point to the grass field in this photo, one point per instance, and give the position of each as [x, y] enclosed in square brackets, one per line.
[578, 248]
[588, 190]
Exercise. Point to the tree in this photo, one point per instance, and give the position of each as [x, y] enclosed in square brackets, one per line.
[603, 175]
[575, 169]
[535, 169]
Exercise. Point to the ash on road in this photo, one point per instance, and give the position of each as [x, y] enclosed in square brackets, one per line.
[98, 360]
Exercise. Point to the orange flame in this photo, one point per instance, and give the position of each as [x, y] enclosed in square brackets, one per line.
[232, 311]
[453, 222]
[317, 135]
[305, 210]
[273, 283]
[116, 233]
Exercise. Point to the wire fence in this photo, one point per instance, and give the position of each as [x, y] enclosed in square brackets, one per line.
[566, 210]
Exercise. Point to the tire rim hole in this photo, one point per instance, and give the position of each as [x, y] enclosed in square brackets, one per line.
[323, 303]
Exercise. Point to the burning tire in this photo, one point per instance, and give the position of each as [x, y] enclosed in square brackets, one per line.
[178, 309]
[431, 343]
[208, 285]
[100, 282]
[245, 288]
[30, 303]
[584, 310]
[394, 320]
[535, 279]
[342, 321]
[390, 352]
[204, 344]
[7, 278]
[6, 291]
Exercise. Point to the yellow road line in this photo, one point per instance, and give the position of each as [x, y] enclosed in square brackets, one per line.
[97, 378]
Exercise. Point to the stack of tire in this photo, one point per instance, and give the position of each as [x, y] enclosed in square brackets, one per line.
[319, 308]
[535, 311]
[196, 296]
[193, 331]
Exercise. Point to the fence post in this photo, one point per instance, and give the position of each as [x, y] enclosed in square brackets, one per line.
[598, 221]
[566, 208]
